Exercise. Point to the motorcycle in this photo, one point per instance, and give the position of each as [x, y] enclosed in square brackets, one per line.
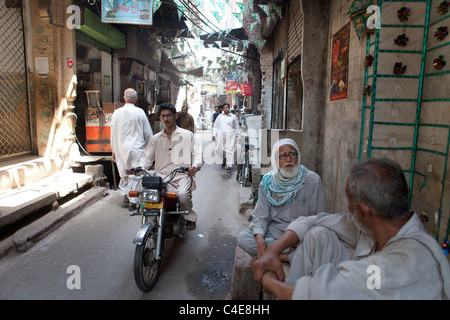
[161, 218]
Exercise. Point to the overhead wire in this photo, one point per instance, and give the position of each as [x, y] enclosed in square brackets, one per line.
[209, 21]
[189, 5]
[201, 20]
[178, 9]
[194, 12]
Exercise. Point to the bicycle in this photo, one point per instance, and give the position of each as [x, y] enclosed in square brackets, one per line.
[244, 168]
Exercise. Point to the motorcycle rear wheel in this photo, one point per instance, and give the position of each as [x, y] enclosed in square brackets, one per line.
[146, 266]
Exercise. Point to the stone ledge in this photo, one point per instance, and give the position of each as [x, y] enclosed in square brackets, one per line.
[20, 202]
[243, 287]
[26, 237]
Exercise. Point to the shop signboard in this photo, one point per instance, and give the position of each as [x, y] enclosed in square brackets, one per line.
[127, 11]
[246, 89]
[233, 75]
[231, 87]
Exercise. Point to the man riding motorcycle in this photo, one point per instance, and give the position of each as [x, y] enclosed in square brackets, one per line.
[175, 147]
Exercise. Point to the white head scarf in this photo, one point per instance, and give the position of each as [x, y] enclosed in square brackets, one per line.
[278, 189]
[275, 152]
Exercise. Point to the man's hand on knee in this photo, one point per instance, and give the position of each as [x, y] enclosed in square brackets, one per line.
[269, 261]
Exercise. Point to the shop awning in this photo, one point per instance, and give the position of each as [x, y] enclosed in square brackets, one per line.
[167, 65]
[103, 33]
[233, 35]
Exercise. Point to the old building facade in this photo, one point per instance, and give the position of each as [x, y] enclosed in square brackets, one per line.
[53, 57]
[331, 82]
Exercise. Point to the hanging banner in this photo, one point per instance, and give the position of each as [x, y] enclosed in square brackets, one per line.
[181, 10]
[238, 16]
[256, 17]
[339, 64]
[276, 8]
[260, 43]
[156, 5]
[129, 12]
[217, 15]
[242, 6]
[231, 87]
[246, 89]
[265, 8]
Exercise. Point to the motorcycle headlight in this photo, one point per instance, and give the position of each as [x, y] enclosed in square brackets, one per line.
[150, 195]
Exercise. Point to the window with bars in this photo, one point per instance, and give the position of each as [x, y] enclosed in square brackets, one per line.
[14, 110]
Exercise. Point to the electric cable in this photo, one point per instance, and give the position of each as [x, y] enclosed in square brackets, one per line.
[209, 21]
[206, 24]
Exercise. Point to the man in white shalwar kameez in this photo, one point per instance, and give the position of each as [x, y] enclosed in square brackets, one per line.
[224, 133]
[130, 134]
[171, 148]
[287, 192]
[380, 250]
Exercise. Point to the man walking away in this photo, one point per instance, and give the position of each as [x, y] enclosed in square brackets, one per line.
[224, 131]
[130, 134]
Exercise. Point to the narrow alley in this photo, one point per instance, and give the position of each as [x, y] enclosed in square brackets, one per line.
[324, 94]
[99, 241]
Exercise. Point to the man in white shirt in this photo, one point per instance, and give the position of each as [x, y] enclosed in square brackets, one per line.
[130, 134]
[171, 148]
[380, 250]
[224, 133]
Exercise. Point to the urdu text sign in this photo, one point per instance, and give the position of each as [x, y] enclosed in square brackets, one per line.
[127, 11]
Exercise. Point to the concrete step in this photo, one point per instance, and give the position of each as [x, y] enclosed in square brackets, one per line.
[28, 171]
[23, 239]
[30, 187]
[21, 201]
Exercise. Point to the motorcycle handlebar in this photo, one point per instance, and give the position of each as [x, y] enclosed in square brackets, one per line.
[138, 170]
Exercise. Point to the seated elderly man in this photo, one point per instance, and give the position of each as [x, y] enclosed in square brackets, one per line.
[380, 250]
[285, 193]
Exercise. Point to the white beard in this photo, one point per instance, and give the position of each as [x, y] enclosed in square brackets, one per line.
[289, 173]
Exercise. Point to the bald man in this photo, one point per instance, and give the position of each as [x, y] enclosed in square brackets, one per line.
[130, 134]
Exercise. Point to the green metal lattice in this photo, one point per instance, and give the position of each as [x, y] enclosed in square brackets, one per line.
[370, 103]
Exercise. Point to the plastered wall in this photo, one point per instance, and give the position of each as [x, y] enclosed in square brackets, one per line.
[410, 112]
[342, 118]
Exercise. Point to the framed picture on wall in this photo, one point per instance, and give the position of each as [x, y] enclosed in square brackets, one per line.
[339, 64]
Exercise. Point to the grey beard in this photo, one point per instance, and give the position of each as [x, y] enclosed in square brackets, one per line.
[289, 173]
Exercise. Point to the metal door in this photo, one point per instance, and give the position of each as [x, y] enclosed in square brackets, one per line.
[15, 137]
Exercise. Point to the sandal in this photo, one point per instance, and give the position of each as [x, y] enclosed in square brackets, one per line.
[190, 225]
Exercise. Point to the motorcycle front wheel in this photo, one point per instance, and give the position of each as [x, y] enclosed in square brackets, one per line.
[146, 266]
